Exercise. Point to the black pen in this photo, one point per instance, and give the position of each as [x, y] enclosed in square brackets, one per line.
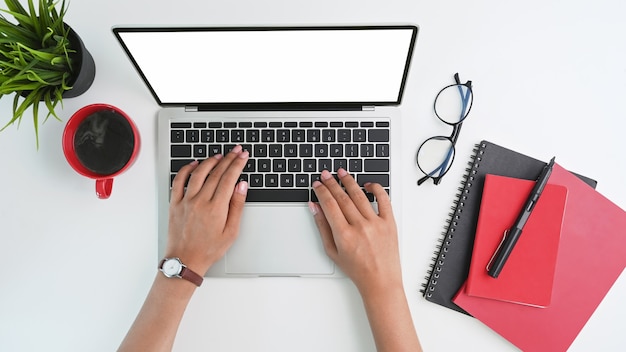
[512, 235]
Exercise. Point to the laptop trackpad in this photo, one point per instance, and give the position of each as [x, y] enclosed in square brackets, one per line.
[278, 241]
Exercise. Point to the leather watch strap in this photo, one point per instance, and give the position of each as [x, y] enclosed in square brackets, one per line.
[191, 276]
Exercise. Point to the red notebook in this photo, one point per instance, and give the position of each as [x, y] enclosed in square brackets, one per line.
[592, 255]
[529, 272]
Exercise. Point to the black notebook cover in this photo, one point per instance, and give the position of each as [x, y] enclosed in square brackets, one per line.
[451, 264]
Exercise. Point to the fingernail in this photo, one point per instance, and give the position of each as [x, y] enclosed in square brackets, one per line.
[326, 175]
[316, 184]
[242, 187]
[236, 149]
[195, 162]
[244, 154]
[341, 172]
[218, 156]
[312, 208]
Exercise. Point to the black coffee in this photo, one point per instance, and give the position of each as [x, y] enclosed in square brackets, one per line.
[104, 142]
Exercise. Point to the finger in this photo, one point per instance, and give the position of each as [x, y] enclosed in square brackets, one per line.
[325, 231]
[224, 190]
[356, 193]
[382, 198]
[237, 202]
[351, 213]
[199, 175]
[329, 206]
[210, 185]
[178, 184]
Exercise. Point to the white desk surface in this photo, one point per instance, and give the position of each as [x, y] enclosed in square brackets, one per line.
[549, 79]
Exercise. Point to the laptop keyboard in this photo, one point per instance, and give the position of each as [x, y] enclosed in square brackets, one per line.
[287, 157]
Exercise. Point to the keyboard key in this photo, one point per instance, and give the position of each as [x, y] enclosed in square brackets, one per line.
[382, 179]
[336, 150]
[306, 124]
[180, 151]
[177, 136]
[278, 195]
[199, 125]
[279, 165]
[328, 135]
[376, 165]
[199, 151]
[344, 135]
[352, 124]
[276, 124]
[177, 164]
[302, 180]
[286, 180]
[298, 135]
[291, 124]
[245, 124]
[321, 124]
[336, 124]
[230, 124]
[207, 136]
[313, 136]
[276, 150]
[321, 150]
[256, 180]
[352, 150]
[260, 124]
[222, 136]
[267, 135]
[271, 180]
[215, 125]
[290, 150]
[378, 135]
[382, 124]
[180, 125]
[309, 165]
[250, 166]
[367, 150]
[294, 165]
[359, 135]
[340, 164]
[283, 136]
[260, 150]
[237, 136]
[228, 148]
[382, 150]
[355, 165]
[306, 150]
[264, 165]
[192, 136]
[252, 136]
[215, 149]
[325, 164]
[367, 124]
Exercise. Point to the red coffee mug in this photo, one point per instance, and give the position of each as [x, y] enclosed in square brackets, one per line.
[104, 182]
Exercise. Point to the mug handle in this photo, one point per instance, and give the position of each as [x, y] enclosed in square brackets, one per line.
[104, 187]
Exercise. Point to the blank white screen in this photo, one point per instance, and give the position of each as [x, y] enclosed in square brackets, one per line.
[271, 66]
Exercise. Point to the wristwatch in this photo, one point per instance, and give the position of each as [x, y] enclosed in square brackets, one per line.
[173, 267]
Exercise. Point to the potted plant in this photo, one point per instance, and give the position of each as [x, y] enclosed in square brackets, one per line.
[41, 59]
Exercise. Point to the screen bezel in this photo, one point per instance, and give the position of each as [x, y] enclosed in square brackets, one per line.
[251, 106]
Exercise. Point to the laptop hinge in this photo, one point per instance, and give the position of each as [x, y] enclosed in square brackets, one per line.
[368, 108]
[191, 108]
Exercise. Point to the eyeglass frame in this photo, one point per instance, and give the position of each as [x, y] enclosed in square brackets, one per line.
[456, 130]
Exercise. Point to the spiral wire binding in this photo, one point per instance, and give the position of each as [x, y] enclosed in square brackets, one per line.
[447, 235]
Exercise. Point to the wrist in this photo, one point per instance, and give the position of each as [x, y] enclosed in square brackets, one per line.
[174, 268]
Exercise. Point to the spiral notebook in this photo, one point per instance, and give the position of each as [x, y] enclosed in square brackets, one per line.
[450, 266]
[592, 255]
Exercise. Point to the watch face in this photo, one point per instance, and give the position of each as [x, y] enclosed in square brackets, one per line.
[172, 267]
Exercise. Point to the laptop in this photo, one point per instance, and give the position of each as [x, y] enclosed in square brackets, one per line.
[299, 99]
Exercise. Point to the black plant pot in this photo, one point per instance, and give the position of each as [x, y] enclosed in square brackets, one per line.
[84, 68]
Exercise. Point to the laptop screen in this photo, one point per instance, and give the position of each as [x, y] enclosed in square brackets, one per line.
[325, 65]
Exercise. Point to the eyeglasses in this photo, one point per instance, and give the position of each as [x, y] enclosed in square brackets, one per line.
[452, 105]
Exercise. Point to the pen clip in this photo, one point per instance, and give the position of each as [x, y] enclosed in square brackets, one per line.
[506, 232]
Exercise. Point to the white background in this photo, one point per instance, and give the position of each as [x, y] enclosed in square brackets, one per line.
[548, 79]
